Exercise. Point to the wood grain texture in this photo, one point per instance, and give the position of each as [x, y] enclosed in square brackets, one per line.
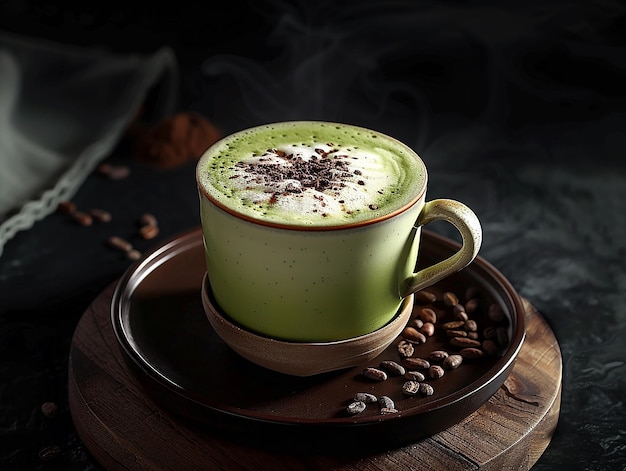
[124, 429]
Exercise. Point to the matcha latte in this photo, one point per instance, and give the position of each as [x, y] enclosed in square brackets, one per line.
[314, 174]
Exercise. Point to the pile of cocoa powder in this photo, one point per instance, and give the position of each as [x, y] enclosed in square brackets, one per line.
[177, 139]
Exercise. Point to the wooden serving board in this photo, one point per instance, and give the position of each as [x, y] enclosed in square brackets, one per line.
[124, 429]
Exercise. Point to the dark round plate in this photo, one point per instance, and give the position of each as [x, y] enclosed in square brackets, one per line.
[169, 344]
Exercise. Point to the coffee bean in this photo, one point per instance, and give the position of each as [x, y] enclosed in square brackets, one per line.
[405, 349]
[411, 388]
[365, 397]
[471, 305]
[133, 254]
[452, 362]
[425, 297]
[66, 207]
[413, 335]
[82, 218]
[416, 363]
[49, 409]
[356, 407]
[426, 389]
[100, 215]
[148, 232]
[471, 325]
[374, 374]
[388, 410]
[392, 367]
[490, 347]
[414, 376]
[472, 335]
[452, 325]
[456, 333]
[489, 332]
[417, 323]
[459, 314]
[385, 402]
[428, 315]
[464, 342]
[438, 355]
[428, 329]
[495, 312]
[435, 371]
[450, 299]
[120, 244]
[471, 353]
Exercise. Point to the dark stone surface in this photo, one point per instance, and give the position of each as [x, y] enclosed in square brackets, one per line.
[517, 111]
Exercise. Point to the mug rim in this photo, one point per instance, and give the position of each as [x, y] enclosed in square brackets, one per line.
[313, 227]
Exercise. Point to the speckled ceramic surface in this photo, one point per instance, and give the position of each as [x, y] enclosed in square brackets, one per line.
[303, 358]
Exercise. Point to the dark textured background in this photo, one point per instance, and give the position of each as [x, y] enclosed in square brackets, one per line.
[519, 111]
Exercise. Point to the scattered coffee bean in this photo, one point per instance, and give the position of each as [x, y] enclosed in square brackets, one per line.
[385, 402]
[49, 409]
[452, 362]
[66, 207]
[100, 215]
[365, 397]
[120, 244]
[426, 389]
[148, 232]
[355, 407]
[388, 410]
[405, 349]
[450, 299]
[416, 363]
[428, 315]
[425, 297]
[392, 367]
[411, 388]
[464, 342]
[428, 329]
[471, 353]
[82, 218]
[490, 347]
[414, 376]
[374, 374]
[435, 371]
[489, 332]
[412, 335]
[438, 355]
[417, 323]
[452, 325]
[495, 312]
[456, 333]
[133, 254]
[459, 313]
[472, 335]
[471, 305]
[471, 325]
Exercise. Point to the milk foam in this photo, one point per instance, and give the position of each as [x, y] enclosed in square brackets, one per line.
[311, 173]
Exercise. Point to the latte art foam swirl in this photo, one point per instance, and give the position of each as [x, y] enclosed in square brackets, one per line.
[310, 174]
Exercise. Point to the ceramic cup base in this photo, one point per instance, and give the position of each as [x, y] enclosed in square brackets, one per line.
[303, 358]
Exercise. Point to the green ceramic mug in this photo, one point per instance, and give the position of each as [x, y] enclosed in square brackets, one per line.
[311, 229]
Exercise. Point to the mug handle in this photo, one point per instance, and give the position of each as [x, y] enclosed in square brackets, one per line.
[466, 222]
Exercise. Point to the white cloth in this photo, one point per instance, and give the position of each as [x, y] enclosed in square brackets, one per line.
[62, 110]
